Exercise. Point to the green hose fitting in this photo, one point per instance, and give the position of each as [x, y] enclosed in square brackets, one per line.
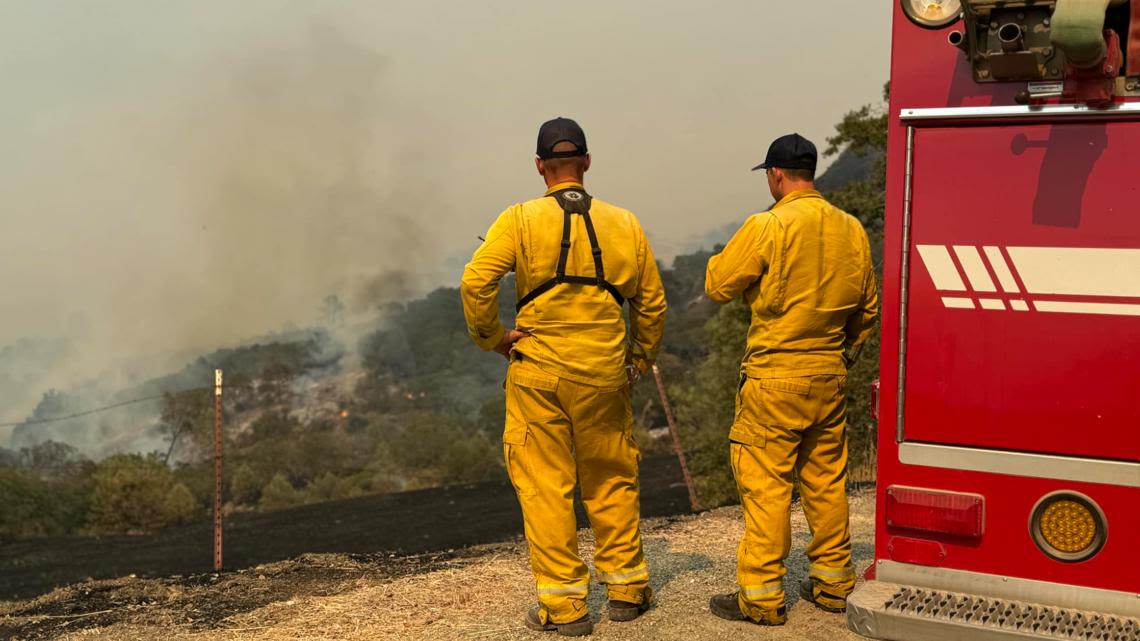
[1078, 30]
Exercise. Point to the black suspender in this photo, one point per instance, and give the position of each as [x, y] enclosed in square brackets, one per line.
[574, 201]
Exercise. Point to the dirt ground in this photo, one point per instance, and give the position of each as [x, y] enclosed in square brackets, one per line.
[477, 593]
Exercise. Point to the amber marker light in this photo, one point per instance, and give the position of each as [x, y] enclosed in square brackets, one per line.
[1068, 527]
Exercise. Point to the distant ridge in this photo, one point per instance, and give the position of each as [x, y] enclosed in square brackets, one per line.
[847, 168]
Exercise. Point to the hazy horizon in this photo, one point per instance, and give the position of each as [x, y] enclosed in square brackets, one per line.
[185, 176]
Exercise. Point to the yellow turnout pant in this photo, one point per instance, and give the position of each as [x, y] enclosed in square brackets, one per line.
[559, 433]
[787, 426]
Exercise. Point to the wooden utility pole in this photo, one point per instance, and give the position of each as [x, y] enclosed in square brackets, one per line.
[217, 470]
[676, 439]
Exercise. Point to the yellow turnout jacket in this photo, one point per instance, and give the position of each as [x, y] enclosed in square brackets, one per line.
[577, 332]
[804, 268]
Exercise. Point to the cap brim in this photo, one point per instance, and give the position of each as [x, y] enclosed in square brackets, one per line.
[760, 166]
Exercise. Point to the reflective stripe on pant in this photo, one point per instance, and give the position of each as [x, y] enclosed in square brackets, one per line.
[786, 427]
[559, 433]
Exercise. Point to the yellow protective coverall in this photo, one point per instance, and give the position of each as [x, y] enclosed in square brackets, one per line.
[805, 270]
[568, 406]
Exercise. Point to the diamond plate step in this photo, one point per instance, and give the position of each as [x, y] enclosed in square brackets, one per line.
[896, 612]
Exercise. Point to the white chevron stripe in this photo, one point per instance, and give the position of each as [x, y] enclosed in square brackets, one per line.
[1060, 271]
[1005, 277]
[957, 303]
[1078, 271]
[941, 268]
[975, 269]
[1112, 309]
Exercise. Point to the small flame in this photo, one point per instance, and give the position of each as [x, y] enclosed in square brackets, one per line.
[344, 413]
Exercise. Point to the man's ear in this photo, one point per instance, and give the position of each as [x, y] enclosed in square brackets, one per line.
[540, 166]
[586, 167]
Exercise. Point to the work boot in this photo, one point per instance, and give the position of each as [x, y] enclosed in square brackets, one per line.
[825, 601]
[727, 606]
[627, 611]
[537, 619]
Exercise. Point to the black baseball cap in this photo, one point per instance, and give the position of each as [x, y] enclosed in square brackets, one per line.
[792, 151]
[559, 130]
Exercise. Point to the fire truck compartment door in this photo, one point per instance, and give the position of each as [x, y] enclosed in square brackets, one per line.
[1023, 318]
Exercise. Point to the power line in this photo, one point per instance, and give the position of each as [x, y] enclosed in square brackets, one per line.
[96, 410]
[55, 419]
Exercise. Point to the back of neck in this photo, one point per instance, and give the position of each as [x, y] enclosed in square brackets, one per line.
[560, 180]
[792, 188]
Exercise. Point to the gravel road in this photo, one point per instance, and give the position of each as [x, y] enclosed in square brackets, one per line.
[483, 594]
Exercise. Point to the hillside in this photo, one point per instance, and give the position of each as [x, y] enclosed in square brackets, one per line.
[403, 341]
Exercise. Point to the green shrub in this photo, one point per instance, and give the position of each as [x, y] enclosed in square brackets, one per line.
[133, 494]
[199, 479]
[24, 497]
[427, 449]
[279, 493]
[245, 485]
[180, 506]
[330, 487]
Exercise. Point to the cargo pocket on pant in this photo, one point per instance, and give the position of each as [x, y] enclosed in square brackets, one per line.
[734, 451]
[746, 429]
[530, 397]
[612, 422]
[516, 456]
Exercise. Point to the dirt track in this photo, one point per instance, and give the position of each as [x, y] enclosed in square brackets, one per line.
[479, 593]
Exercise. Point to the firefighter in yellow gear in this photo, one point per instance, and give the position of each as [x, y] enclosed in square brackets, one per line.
[804, 269]
[572, 361]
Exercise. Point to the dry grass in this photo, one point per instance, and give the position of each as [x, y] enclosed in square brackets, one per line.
[483, 597]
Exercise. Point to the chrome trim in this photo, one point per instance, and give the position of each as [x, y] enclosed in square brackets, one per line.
[904, 277]
[1042, 466]
[1077, 597]
[1021, 112]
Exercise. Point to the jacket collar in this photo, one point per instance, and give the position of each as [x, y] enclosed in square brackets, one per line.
[564, 185]
[796, 195]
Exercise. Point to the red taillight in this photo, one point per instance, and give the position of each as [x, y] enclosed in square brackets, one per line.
[922, 510]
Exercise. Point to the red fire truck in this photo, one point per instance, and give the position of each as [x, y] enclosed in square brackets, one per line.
[1009, 413]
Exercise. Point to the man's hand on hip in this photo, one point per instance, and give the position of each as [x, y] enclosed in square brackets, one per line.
[509, 339]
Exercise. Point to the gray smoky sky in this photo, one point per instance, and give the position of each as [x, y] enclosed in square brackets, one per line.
[178, 176]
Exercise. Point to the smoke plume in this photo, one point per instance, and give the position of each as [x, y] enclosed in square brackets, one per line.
[256, 188]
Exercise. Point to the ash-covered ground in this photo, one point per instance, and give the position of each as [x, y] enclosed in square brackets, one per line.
[478, 592]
